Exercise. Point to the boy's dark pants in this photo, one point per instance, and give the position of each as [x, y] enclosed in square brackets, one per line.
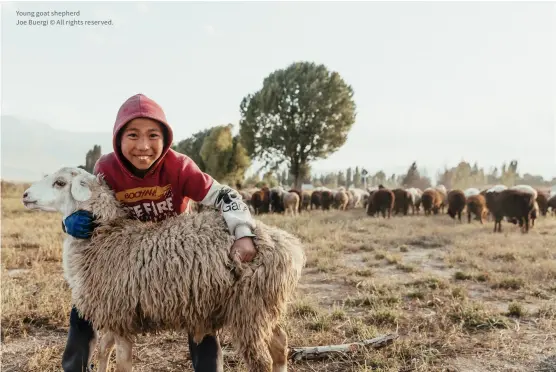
[206, 356]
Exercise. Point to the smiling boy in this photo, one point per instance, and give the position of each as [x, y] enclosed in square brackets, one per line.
[154, 182]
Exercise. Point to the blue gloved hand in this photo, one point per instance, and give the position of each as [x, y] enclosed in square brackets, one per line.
[80, 224]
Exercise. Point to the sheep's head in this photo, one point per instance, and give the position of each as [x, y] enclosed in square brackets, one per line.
[63, 191]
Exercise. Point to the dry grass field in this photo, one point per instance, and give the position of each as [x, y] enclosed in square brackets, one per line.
[460, 297]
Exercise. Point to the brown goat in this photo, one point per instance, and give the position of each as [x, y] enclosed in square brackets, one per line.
[456, 203]
[260, 200]
[513, 204]
[402, 201]
[431, 200]
[476, 204]
[381, 200]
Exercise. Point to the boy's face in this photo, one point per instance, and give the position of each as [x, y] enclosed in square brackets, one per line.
[142, 142]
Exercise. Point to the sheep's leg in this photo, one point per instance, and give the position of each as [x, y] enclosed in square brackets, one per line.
[278, 348]
[105, 349]
[255, 351]
[123, 354]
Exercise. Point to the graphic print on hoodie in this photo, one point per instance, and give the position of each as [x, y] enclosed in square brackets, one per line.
[168, 185]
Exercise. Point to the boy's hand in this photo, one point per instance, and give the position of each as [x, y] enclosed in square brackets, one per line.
[80, 224]
[244, 249]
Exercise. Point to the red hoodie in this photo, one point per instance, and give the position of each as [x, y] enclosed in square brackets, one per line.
[168, 185]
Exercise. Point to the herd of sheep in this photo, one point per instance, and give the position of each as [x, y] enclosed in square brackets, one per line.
[519, 204]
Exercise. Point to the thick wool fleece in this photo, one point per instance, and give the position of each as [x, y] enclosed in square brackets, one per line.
[133, 276]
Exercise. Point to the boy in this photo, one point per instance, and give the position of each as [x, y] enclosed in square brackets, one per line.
[154, 182]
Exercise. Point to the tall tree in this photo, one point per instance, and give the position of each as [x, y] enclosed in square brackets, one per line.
[217, 152]
[302, 113]
[349, 179]
[224, 157]
[357, 178]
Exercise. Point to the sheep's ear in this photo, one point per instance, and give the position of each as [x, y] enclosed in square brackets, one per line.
[80, 188]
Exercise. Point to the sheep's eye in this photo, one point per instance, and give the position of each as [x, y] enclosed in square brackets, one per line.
[59, 183]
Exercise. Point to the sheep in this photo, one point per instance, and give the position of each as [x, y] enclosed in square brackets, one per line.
[174, 274]
[300, 196]
[402, 201]
[443, 194]
[327, 199]
[260, 200]
[316, 199]
[431, 201]
[542, 200]
[291, 203]
[476, 204]
[341, 200]
[514, 204]
[277, 199]
[305, 200]
[416, 195]
[535, 211]
[456, 203]
[381, 200]
[357, 197]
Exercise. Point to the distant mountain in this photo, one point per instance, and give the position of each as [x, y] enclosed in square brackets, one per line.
[31, 148]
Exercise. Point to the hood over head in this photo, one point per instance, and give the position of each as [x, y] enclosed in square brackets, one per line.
[140, 106]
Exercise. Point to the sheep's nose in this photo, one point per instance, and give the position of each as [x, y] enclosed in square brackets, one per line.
[25, 195]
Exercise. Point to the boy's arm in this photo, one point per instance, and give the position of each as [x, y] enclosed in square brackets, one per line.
[202, 188]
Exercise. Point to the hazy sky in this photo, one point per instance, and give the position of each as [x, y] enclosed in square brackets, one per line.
[434, 82]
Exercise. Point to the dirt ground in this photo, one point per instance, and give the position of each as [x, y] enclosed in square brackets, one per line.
[460, 297]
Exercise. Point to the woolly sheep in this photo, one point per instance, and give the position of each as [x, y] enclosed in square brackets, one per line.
[416, 194]
[431, 201]
[175, 274]
[542, 200]
[456, 203]
[341, 200]
[443, 196]
[357, 197]
[381, 201]
[402, 201]
[476, 204]
[291, 202]
[515, 205]
[529, 190]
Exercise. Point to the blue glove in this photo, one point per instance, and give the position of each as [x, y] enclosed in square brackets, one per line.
[80, 224]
